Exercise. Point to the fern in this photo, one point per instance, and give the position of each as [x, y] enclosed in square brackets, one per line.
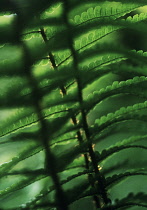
[73, 105]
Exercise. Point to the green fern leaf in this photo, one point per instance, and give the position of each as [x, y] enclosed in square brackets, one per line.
[115, 11]
[129, 201]
[47, 47]
[28, 152]
[109, 152]
[21, 184]
[120, 115]
[116, 88]
[110, 181]
[129, 69]
[124, 144]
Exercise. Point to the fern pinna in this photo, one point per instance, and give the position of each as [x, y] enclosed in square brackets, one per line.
[73, 105]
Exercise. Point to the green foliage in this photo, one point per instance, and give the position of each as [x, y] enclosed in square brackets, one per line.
[73, 105]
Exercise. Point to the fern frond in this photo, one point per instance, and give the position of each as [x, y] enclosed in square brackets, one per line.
[47, 47]
[21, 184]
[124, 144]
[71, 195]
[113, 168]
[124, 69]
[95, 35]
[140, 3]
[128, 86]
[28, 152]
[93, 64]
[24, 117]
[52, 188]
[109, 152]
[104, 11]
[110, 181]
[131, 140]
[104, 60]
[102, 49]
[69, 156]
[127, 113]
[16, 118]
[131, 200]
[130, 22]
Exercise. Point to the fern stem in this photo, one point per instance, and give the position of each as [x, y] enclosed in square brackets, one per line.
[100, 185]
[64, 92]
[73, 118]
[51, 58]
[50, 161]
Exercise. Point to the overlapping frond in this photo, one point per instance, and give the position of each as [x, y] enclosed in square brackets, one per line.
[63, 68]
